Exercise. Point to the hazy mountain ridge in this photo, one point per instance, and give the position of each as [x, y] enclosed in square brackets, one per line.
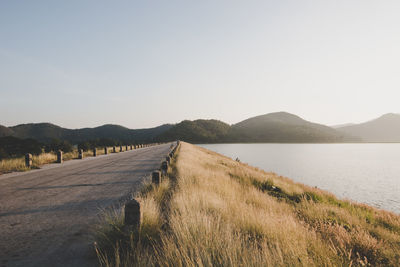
[342, 125]
[383, 129]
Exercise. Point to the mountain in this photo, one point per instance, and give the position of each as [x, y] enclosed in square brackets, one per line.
[283, 127]
[5, 131]
[198, 131]
[383, 129]
[121, 133]
[42, 132]
[46, 132]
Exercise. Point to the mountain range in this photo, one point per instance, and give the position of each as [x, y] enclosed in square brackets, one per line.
[279, 127]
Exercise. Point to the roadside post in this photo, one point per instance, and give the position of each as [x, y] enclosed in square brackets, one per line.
[164, 167]
[156, 177]
[132, 215]
[59, 156]
[28, 160]
[80, 156]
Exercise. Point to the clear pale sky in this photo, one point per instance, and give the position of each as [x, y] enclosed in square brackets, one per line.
[144, 63]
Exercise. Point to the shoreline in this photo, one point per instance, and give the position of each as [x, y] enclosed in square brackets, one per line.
[362, 173]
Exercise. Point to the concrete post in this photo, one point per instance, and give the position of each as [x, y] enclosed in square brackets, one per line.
[80, 156]
[164, 167]
[156, 177]
[132, 214]
[105, 151]
[59, 156]
[114, 149]
[28, 160]
[94, 152]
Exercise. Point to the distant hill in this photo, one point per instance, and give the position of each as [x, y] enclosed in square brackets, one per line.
[117, 132]
[42, 132]
[383, 129]
[46, 132]
[283, 127]
[5, 131]
[198, 131]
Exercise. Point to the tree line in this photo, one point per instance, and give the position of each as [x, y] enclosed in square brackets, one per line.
[13, 147]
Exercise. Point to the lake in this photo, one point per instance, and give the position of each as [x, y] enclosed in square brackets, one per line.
[367, 173]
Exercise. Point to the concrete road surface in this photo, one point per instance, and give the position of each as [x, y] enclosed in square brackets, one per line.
[45, 215]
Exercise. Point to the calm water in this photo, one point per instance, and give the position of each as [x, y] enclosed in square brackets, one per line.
[368, 173]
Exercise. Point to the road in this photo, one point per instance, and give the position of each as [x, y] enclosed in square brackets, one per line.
[46, 215]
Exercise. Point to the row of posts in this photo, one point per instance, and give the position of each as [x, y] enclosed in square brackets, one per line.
[132, 207]
[29, 158]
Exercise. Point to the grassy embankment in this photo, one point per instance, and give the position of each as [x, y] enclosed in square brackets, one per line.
[18, 164]
[214, 211]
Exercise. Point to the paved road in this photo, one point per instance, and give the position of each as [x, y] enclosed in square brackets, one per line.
[45, 215]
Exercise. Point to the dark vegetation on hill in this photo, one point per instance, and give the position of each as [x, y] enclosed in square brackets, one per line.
[14, 147]
[4, 131]
[49, 137]
[46, 132]
[198, 131]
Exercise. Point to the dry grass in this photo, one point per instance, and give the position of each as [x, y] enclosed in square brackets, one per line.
[224, 213]
[9, 165]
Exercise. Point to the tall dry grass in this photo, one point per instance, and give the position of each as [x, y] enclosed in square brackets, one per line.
[218, 212]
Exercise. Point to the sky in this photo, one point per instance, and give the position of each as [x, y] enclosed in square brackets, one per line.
[145, 63]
